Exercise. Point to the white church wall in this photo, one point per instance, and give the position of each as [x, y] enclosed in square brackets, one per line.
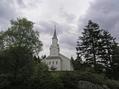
[54, 50]
[66, 65]
[56, 63]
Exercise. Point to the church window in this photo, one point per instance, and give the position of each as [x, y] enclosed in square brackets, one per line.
[52, 62]
[56, 62]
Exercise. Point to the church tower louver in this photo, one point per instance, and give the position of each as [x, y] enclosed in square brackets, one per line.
[56, 61]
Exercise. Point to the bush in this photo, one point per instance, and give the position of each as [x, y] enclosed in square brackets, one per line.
[112, 84]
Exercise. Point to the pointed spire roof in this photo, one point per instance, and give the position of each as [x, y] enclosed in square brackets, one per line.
[55, 34]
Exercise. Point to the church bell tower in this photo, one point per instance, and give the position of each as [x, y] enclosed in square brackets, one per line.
[54, 48]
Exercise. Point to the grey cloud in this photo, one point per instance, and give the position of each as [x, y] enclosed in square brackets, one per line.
[28, 3]
[67, 16]
[7, 12]
[48, 27]
[106, 14]
[6, 9]
[21, 3]
[43, 27]
[68, 41]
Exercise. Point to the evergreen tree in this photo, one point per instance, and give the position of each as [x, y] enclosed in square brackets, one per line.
[88, 43]
[115, 63]
[76, 63]
[98, 48]
[106, 47]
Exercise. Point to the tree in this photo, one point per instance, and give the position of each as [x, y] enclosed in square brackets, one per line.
[106, 49]
[97, 46]
[77, 63]
[19, 44]
[87, 44]
[21, 34]
[115, 63]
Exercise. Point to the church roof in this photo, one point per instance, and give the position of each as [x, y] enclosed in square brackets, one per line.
[53, 57]
[61, 55]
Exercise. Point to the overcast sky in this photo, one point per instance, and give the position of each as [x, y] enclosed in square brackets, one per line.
[69, 16]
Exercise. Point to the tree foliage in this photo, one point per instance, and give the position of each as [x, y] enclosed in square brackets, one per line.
[88, 43]
[18, 45]
[96, 48]
[115, 63]
[21, 34]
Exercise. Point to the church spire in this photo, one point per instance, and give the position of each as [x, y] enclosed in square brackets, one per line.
[55, 34]
[54, 48]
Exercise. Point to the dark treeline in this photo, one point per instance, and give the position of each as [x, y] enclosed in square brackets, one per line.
[21, 67]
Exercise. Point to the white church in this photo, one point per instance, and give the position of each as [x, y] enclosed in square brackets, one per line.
[56, 61]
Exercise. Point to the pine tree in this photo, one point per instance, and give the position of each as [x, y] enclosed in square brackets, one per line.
[115, 63]
[106, 47]
[76, 63]
[88, 43]
[98, 48]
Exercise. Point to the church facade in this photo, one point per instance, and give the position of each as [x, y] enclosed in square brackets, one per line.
[57, 61]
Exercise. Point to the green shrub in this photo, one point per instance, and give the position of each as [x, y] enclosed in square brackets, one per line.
[112, 84]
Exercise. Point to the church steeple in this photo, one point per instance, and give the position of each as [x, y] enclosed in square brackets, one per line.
[54, 48]
[55, 34]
